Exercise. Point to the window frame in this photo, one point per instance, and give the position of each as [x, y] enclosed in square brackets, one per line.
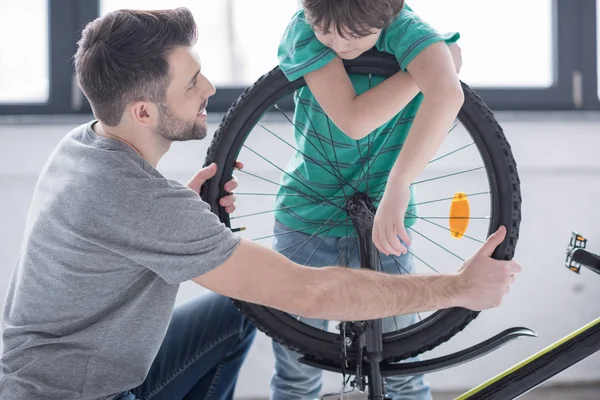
[574, 64]
[66, 18]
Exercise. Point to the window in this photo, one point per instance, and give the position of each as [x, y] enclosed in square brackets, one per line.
[507, 44]
[237, 45]
[518, 55]
[24, 72]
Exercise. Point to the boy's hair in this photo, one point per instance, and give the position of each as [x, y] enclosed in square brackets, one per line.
[122, 57]
[358, 17]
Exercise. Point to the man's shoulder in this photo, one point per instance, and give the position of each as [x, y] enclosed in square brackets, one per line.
[90, 169]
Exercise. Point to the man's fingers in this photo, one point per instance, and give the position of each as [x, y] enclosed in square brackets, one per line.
[231, 185]
[206, 172]
[202, 176]
[238, 165]
[227, 201]
[492, 242]
[513, 267]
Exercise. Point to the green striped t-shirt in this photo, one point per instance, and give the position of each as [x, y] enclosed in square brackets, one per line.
[329, 165]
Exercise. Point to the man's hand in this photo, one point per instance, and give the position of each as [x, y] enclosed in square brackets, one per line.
[227, 202]
[484, 281]
[389, 221]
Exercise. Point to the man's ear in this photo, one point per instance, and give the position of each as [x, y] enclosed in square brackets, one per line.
[144, 113]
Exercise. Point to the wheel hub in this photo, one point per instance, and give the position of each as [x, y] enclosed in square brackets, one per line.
[361, 211]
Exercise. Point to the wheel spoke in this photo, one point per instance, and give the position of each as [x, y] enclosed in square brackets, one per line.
[378, 197]
[320, 198]
[449, 218]
[437, 244]
[309, 227]
[343, 178]
[449, 175]
[441, 226]
[452, 152]
[420, 259]
[399, 265]
[335, 169]
[449, 198]
[344, 248]
[300, 152]
[276, 194]
[400, 118]
[369, 145]
[334, 154]
[331, 226]
[324, 236]
[274, 209]
[288, 174]
[316, 232]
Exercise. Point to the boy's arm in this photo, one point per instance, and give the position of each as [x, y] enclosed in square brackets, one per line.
[357, 116]
[434, 72]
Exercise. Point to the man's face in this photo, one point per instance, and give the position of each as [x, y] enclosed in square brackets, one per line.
[347, 46]
[183, 115]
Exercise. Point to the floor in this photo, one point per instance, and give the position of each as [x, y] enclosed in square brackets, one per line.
[585, 392]
[582, 392]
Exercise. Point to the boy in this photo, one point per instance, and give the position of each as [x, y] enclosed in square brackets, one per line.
[358, 149]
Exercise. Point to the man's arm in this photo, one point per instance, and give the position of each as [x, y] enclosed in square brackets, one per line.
[259, 275]
[357, 116]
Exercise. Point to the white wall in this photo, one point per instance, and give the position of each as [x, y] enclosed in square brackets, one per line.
[558, 156]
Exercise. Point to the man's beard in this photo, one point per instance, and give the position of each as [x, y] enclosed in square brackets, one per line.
[175, 129]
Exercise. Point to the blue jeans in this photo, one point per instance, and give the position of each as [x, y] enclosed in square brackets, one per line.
[201, 355]
[293, 380]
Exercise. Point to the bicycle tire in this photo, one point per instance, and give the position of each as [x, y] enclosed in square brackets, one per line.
[502, 175]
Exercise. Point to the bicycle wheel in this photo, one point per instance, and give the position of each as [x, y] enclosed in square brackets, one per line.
[244, 127]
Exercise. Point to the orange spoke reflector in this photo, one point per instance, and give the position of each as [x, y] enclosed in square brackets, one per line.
[460, 212]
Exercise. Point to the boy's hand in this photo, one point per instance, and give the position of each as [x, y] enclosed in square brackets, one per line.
[389, 221]
[228, 201]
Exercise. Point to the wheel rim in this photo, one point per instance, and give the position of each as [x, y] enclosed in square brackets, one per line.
[252, 121]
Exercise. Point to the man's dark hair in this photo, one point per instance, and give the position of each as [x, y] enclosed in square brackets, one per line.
[358, 17]
[122, 57]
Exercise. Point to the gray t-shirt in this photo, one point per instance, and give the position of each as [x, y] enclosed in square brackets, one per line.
[108, 240]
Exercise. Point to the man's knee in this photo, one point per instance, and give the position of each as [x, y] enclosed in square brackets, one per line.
[247, 330]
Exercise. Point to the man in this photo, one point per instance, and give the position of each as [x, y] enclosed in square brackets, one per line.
[89, 311]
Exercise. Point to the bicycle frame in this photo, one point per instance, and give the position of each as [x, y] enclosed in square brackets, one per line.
[522, 377]
[531, 372]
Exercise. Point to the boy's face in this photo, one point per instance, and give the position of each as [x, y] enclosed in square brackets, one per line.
[347, 46]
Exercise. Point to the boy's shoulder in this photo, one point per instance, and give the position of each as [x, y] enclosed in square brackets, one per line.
[408, 34]
[299, 51]
[297, 29]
